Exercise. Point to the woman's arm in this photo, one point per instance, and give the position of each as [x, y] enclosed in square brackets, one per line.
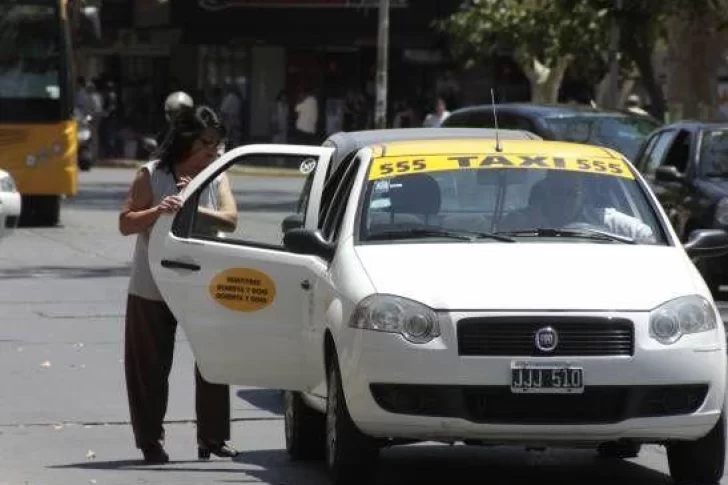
[137, 213]
[226, 217]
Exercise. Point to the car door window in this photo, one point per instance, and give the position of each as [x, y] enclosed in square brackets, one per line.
[475, 119]
[331, 223]
[656, 157]
[511, 121]
[643, 157]
[263, 203]
[679, 153]
[332, 183]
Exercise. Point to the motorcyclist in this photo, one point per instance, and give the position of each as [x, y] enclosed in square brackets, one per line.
[174, 104]
[560, 201]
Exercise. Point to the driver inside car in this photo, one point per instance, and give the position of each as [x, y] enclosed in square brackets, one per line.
[560, 201]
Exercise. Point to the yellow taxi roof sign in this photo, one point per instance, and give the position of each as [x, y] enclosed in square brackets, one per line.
[480, 145]
[410, 157]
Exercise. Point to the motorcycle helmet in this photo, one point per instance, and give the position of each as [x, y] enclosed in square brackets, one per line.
[175, 102]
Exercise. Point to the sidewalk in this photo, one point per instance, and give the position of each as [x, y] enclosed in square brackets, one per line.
[239, 169]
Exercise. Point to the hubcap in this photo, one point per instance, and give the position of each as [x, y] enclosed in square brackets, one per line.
[331, 426]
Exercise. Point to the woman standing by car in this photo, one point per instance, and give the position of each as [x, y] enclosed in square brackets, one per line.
[150, 325]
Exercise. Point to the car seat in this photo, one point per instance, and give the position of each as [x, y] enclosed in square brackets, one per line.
[414, 200]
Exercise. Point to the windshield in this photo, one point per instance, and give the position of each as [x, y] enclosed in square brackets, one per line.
[714, 153]
[622, 133]
[523, 197]
[31, 61]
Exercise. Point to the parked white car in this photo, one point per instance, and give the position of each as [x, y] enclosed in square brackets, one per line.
[10, 204]
[529, 293]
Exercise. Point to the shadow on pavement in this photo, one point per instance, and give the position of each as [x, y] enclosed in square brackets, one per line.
[423, 465]
[65, 272]
[268, 399]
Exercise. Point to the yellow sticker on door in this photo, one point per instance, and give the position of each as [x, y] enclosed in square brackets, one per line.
[243, 289]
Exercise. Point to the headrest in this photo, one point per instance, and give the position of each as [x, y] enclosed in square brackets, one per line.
[415, 194]
[539, 193]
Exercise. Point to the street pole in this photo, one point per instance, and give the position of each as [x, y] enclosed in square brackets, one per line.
[380, 111]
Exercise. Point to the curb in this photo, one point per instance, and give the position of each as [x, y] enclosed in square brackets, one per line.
[239, 170]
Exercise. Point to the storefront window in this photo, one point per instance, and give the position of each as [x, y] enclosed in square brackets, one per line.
[222, 67]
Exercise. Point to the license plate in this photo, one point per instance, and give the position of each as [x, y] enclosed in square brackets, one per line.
[546, 379]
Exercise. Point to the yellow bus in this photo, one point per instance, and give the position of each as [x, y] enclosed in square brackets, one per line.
[38, 143]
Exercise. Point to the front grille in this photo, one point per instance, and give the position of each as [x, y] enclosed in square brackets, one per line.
[595, 405]
[10, 137]
[498, 405]
[515, 336]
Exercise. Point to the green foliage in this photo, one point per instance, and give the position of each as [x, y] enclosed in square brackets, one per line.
[547, 30]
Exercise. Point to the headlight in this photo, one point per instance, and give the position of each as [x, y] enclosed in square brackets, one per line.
[721, 212]
[84, 134]
[385, 313]
[681, 316]
[7, 184]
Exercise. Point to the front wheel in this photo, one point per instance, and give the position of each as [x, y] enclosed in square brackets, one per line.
[700, 461]
[40, 210]
[351, 456]
[305, 429]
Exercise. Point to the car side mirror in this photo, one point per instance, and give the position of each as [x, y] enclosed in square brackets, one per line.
[294, 221]
[305, 241]
[668, 173]
[149, 144]
[707, 243]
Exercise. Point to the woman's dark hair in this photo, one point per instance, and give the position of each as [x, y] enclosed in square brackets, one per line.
[187, 127]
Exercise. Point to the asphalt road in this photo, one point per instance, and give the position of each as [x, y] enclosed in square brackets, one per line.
[63, 408]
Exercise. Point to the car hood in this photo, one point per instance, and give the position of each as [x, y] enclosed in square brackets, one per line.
[530, 276]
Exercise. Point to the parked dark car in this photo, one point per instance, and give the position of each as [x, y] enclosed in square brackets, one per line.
[686, 164]
[575, 123]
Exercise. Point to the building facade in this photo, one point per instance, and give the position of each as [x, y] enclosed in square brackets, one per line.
[259, 50]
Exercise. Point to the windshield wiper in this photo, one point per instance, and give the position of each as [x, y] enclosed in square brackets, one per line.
[578, 233]
[457, 234]
[721, 175]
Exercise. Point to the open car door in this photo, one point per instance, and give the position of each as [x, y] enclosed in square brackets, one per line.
[240, 296]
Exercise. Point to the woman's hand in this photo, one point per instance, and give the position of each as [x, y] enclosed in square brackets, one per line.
[169, 204]
[183, 181]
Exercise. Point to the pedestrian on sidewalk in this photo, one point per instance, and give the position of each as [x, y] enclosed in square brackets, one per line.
[150, 326]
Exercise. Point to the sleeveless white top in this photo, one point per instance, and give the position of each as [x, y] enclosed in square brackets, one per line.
[163, 184]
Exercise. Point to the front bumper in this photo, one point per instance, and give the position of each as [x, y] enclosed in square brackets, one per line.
[395, 389]
[10, 205]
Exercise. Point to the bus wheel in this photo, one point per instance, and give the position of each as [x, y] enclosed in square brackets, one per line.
[40, 210]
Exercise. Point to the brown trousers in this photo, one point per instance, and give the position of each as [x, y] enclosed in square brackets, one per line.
[148, 352]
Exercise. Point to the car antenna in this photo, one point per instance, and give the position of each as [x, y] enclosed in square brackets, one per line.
[498, 146]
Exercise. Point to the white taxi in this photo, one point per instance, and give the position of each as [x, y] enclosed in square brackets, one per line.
[10, 204]
[513, 292]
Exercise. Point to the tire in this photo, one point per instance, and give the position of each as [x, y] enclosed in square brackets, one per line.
[700, 461]
[351, 456]
[305, 429]
[40, 210]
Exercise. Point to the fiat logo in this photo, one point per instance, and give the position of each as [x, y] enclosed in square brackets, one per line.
[546, 339]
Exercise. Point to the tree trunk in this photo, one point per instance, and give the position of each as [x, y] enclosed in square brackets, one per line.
[545, 81]
[643, 58]
[695, 48]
